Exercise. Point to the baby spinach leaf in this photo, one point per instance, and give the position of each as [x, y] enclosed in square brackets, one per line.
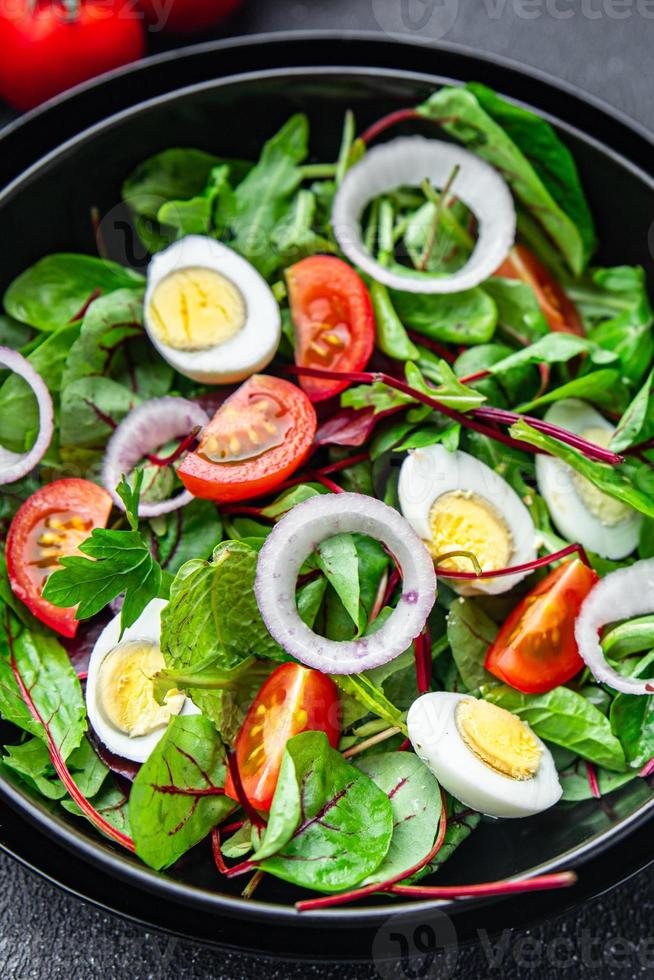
[576, 785]
[117, 562]
[262, 198]
[548, 155]
[189, 532]
[176, 796]
[338, 559]
[52, 292]
[565, 718]
[15, 334]
[618, 315]
[632, 719]
[470, 632]
[19, 413]
[195, 216]
[53, 685]
[460, 113]
[175, 174]
[507, 389]
[518, 312]
[330, 825]
[469, 317]
[618, 481]
[416, 804]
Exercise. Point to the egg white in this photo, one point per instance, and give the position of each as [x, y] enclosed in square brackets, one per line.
[429, 473]
[568, 511]
[248, 351]
[435, 737]
[147, 629]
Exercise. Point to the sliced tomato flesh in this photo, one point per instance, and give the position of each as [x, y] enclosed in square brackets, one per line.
[49, 526]
[258, 437]
[536, 650]
[560, 312]
[293, 699]
[333, 319]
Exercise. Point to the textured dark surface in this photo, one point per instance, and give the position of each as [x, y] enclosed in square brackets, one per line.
[603, 46]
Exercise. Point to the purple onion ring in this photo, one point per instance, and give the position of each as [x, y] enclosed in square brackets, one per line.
[14, 466]
[297, 535]
[144, 430]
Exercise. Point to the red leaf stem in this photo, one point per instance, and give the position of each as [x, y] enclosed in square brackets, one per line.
[528, 566]
[184, 444]
[392, 119]
[563, 879]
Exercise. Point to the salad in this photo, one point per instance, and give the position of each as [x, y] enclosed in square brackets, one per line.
[331, 532]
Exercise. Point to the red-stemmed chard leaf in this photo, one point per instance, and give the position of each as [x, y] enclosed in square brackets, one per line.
[351, 426]
[178, 795]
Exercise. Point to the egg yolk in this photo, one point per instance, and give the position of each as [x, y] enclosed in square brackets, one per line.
[195, 309]
[499, 738]
[464, 521]
[125, 690]
[607, 510]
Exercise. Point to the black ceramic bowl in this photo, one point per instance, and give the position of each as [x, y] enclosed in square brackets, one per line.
[47, 208]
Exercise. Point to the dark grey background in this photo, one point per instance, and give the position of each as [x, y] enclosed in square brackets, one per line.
[603, 46]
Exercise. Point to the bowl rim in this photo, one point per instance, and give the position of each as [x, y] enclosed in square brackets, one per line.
[97, 851]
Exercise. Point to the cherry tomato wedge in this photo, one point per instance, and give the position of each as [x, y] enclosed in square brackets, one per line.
[333, 318]
[257, 438]
[294, 699]
[50, 525]
[560, 312]
[536, 649]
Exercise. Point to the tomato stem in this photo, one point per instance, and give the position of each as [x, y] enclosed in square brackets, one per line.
[327, 901]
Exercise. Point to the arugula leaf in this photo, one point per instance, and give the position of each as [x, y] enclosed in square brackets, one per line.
[117, 562]
[53, 291]
[330, 826]
[293, 236]
[429, 436]
[470, 632]
[175, 799]
[617, 481]
[416, 804]
[53, 685]
[262, 198]
[468, 317]
[550, 158]
[19, 414]
[450, 391]
[565, 718]
[460, 113]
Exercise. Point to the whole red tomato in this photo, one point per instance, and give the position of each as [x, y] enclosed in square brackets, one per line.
[186, 16]
[49, 46]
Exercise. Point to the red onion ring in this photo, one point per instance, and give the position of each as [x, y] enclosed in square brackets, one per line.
[297, 535]
[622, 594]
[13, 466]
[144, 430]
